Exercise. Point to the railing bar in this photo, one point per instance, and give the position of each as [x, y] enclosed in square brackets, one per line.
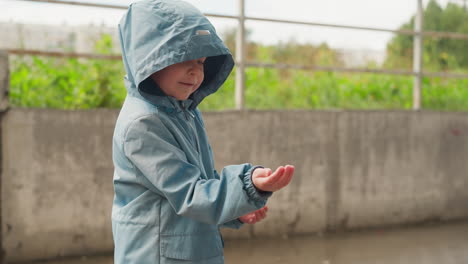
[248, 64]
[63, 54]
[398, 31]
[78, 3]
[355, 70]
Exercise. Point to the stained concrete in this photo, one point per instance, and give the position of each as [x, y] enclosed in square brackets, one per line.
[56, 183]
[4, 80]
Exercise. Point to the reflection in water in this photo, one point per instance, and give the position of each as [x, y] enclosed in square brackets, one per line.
[421, 245]
[445, 244]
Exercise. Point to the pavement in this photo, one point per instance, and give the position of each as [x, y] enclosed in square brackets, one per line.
[428, 244]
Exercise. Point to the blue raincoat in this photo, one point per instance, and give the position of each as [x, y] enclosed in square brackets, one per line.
[169, 200]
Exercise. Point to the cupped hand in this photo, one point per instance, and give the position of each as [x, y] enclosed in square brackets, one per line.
[254, 217]
[266, 180]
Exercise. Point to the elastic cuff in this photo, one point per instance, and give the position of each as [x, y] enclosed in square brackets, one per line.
[258, 197]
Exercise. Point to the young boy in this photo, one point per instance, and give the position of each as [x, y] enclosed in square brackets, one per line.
[169, 200]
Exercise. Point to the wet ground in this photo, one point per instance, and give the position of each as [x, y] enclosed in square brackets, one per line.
[430, 244]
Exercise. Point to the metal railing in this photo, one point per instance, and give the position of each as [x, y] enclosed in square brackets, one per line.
[241, 44]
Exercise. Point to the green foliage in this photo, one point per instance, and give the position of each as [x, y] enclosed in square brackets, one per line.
[324, 90]
[439, 53]
[83, 84]
[67, 83]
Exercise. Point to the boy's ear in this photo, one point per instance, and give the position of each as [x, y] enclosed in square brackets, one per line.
[211, 67]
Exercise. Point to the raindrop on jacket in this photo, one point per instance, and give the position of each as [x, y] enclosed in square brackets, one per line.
[169, 200]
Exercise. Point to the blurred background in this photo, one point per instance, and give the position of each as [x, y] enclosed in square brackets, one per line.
[368, 99]
[39, 26]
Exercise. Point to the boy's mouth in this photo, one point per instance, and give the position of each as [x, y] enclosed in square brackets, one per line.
[187, 84]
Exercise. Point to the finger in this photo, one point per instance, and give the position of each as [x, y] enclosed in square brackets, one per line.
[289, 169]
[276, 175]
[259, 172]
[259, 216]
[246, 218]
[290, 172]
[262, 172]
[268, 183]
[263, 214]
[286, 179]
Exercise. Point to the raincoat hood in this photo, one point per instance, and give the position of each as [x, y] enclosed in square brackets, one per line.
[158, 33]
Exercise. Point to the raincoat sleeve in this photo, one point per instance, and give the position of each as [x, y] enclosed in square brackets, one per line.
[164, 168]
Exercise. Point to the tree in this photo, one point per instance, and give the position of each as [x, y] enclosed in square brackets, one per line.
[439, 53]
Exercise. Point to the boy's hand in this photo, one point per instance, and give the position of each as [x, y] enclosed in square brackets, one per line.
[265, 180]
[254, 217]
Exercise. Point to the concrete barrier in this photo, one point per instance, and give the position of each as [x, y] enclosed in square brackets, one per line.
[56, 183]
[4, 80]
[358, 169]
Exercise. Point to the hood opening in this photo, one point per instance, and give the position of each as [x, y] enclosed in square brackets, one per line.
[212, 66]
[148, 86]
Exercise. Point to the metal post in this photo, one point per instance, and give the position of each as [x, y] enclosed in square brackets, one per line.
[4, 81]
[240, 58]
[417, 56]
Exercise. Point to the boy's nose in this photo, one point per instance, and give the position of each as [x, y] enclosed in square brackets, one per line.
[195, 68]
[192, 71]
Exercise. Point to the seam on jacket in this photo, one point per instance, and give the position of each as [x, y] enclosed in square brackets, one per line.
[185, 234]
[124, 140]
[118, 218]
[159, 232]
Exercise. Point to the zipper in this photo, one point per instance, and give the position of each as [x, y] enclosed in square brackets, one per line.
[193, 130]
[187, 113]
[192, 133]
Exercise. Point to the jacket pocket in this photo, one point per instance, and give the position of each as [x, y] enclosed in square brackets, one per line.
[191, 247]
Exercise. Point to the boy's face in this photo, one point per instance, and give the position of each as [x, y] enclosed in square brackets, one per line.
[180, 80]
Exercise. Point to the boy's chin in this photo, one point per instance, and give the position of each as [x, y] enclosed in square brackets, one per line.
[182, 97]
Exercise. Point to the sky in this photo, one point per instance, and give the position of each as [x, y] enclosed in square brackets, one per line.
[368, 13]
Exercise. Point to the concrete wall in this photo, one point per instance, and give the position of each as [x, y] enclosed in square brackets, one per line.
[354, 170]
[4, 80]
[56, 183]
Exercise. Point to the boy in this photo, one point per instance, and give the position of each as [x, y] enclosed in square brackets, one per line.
[169, 200]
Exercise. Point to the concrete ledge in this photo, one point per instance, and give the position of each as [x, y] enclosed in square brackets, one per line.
[354, 170]
[4, 80]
